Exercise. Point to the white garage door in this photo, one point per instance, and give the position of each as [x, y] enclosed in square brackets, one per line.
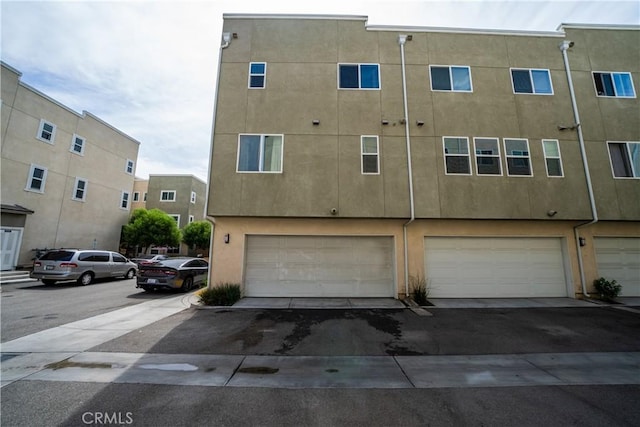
[319, 266]
[618, 259]
[500, 267]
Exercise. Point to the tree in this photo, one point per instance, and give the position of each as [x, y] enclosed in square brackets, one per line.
[197, 234]
[151, 227]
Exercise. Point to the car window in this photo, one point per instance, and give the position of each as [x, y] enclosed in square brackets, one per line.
[190, 264]
[118, 258]
[86, 256]
[102, 257]
[57, 256]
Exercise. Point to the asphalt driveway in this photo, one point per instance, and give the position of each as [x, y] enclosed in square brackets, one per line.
[384, 332]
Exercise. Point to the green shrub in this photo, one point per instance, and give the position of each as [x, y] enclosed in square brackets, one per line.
[221, 294]
[419, 289]
[608, 290]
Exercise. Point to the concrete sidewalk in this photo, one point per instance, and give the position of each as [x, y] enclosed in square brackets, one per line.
[68, 352]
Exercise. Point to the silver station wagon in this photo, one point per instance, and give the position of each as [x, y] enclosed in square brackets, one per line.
[81, 265]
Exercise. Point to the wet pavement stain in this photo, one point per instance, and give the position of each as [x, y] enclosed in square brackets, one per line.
[258, 370]
[66, 363]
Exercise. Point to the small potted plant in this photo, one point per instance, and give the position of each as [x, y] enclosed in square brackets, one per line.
[608, 290]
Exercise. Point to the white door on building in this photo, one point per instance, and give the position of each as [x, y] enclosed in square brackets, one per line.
[319, 266]
[618, 259]
[494, 267]
[11, 241]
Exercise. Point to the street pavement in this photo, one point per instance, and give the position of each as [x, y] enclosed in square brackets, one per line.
[342, 344]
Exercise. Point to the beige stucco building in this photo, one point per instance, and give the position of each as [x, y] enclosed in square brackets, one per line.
[348, 158]
[67, 177]
[181, 196]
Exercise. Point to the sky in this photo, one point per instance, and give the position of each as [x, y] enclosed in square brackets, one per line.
[148, 68]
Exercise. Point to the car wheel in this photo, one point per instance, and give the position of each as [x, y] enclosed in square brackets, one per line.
[187, 285]
[130, 274]
[85, 279]
[48, 281]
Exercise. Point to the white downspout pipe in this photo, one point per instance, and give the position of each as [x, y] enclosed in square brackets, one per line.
[594, 212]
[226, 41]
[402, 39]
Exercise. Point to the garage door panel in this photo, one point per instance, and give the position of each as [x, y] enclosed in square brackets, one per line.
[618, 258]
[471, 267]
[319, 266]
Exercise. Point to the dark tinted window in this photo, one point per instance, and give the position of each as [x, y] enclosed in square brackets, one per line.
[349, 78]
[94, 256]
[521, 81]
[118, 258]
[57, 256]
[440, 78]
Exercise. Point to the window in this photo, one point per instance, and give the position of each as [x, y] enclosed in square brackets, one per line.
[80, 190]
[487, 156]
[118, 258]
[614, 84]
[168, 196]
[77, 144]
[144, 198]
[531, 81]
[260, 153]
[552, 158]
[193, 197]
[37, 179]
[454, 78]
[370, 163]
[130, 166]
[517, 154]
[358, 76]
[124, 200]
[257, 75]
[625, 159]
[176, 218]
[191, 218]
[136, 196]
[46, 132]
[456, 155]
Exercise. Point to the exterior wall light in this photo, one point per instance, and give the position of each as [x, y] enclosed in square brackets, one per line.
[227, 238]
[583, 241]
[551, 213]
[385, 122]
[316, 122]
[420, 123]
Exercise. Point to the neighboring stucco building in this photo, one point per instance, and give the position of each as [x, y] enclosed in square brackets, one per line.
[180, 196]
[139, 198]
[66, 177]
[347, 158]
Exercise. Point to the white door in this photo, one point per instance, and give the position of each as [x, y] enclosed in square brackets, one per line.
[319, 266]
[11, 241]
[494, 267]
[618, 258]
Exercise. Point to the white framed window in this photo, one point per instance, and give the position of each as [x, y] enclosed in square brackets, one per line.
[80, 190]
[193, 197]
[359, 76]
[454, 78]
[124, 200]
[77, 144]
[614, 84]
[625, 159]
[136, 196]
[487, 156]
[257, 75]
[456, 155]
[370, 155]
[144, 197]
[531, 81]
[191, 218]
[552, 158]
[37, 178]
[130, 167]
[260, 153]
[517, 154]
[176, 218]
[168, 196]
[46, 132]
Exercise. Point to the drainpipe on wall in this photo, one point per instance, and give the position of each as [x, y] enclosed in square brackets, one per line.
[402, 39]
[564, 46]
[226, 41]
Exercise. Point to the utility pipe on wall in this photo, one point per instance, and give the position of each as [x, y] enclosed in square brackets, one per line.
[226, 41]
[564, 46]
[402, 39]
